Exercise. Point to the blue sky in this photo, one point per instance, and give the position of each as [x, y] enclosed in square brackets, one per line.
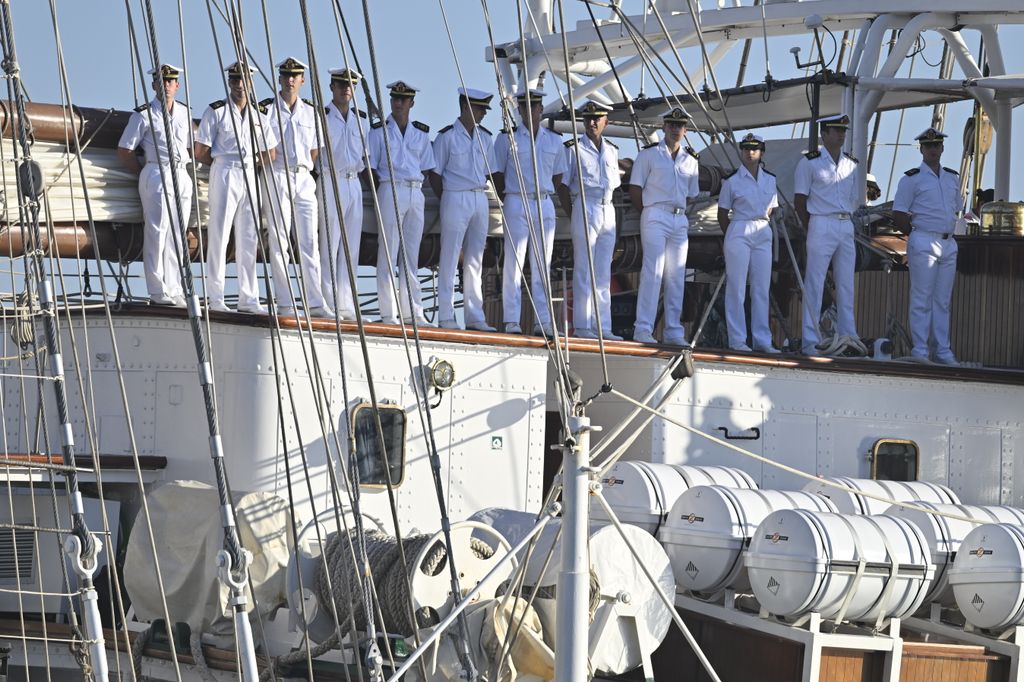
[410, 42]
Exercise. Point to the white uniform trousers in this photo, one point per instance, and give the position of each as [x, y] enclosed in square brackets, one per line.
[600, 242]
[932, 262]
[464, 218]
[410, 213]
[282, 201]
[162, 232]
[231, 204]
[332, 251]
[665, 239]
[829, 240]
[518, 237]
[748, 254]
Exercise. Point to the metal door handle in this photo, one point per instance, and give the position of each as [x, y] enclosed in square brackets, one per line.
[728, 436]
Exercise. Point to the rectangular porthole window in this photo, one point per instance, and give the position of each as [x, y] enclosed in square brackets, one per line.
[895, 460]
[370, 452]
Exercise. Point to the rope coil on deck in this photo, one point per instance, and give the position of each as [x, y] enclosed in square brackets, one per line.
[393, 584]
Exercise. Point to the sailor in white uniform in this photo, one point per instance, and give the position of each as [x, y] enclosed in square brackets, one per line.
[292, 191]
[347, 130]
[234, 136]
[400, 180]
[662, 182]
[593, 238]
[162, 246]
[928, 198]
[750, 193]
[826, 193]
[524, 192]
[464, 152]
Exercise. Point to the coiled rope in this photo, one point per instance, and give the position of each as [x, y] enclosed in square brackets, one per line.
[382, 557]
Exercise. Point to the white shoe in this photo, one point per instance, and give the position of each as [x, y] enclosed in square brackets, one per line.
[449, 324]
[919, 359]
[219, 306]
[677, 341]
[584, 333]
[252, 308]
[347, 314]
[644, 337]
[608, 336]
[948, 360]
[390, 320]
[179, 302]
[285, 311]
[543, 329]
[742, 348]
[321, 311]
[480, 327]
[770, 350]
[420, 322]
[513, 328]
[161, 300]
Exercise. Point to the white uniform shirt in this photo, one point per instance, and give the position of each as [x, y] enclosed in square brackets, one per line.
[217, 131]
[550, 160]
[932, 200]
[600, 169]
[663, 179]
[411, 154]
[138, 131]
[463, 162]
[345, 140]
[830, 187]
[296, 131]
[747, 197]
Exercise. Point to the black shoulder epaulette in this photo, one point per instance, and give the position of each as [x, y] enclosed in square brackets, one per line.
[950, 170]
[851, 158]
[361, 113]
[765, 170]
[267, 102]
[378, 124]
[307, 101]
[506, 130]
[612, 143]
[261, 107]
[327, 109]
[912, 172]
[218, 104]
[689, 150]
[734, 172]
[648, 146]
[812, 155]
[485, 130]
[569, 143]
[421, 126]
[445, 129]
[142, 107]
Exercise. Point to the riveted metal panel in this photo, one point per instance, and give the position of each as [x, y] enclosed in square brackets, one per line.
[976, 463]
[790, 439]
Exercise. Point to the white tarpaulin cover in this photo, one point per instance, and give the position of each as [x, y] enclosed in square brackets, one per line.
[187, 526]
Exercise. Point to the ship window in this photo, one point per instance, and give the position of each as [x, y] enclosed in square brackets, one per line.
[895, 460]
[369, 451]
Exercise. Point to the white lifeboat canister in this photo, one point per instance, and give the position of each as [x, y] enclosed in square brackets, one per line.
[988, 576]
[899, 491]
[944, 536]
[642, 493]
[710, 526]
[855, 568]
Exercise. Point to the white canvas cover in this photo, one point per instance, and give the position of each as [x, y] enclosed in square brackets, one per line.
[187, 526]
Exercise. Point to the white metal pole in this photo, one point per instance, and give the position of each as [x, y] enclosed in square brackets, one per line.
[571, 613]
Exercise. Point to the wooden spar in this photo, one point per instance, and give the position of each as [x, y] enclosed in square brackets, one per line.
[53, 123]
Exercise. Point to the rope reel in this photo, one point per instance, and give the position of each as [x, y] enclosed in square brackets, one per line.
[477, 550]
